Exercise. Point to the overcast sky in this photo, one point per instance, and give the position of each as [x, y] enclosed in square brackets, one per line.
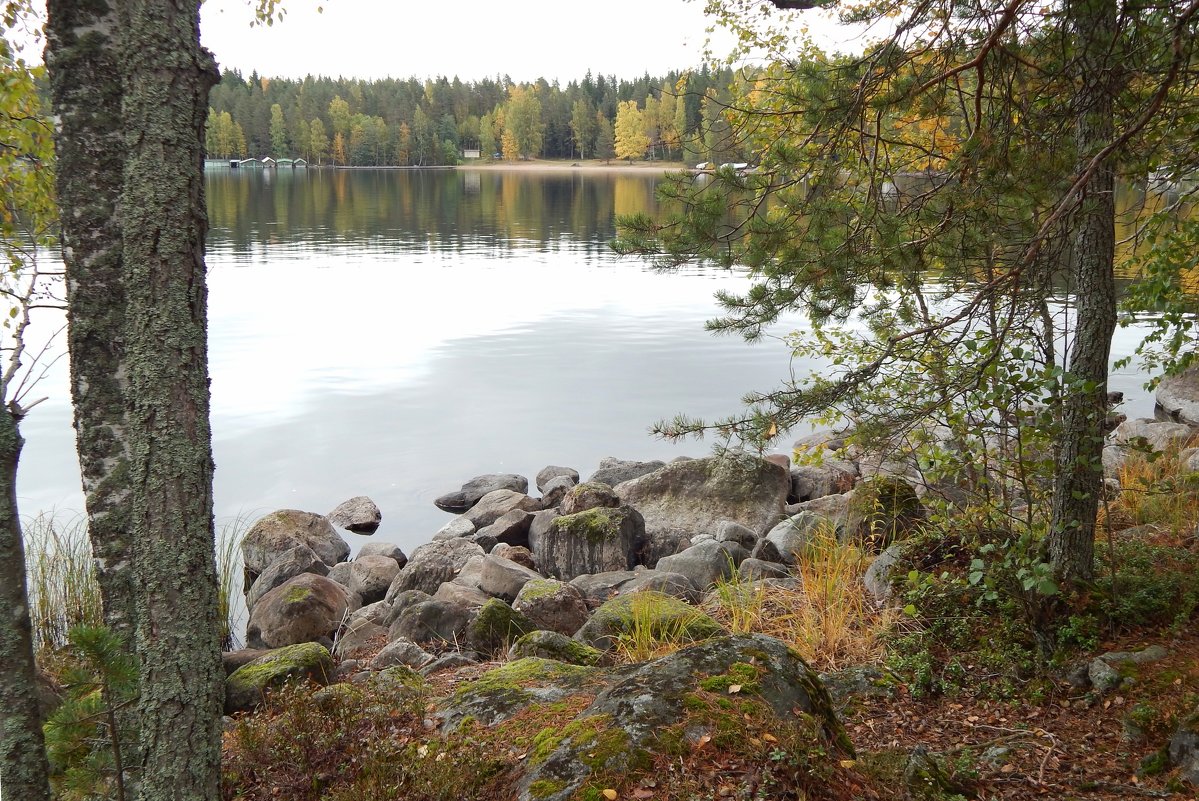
[524, 39]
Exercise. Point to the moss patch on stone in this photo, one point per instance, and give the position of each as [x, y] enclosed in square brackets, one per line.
[595, 526]
[740, 677]
[649, 616]
[559, 647]
[297, 595]
[246, 686]
[539, 588]
[496, 625]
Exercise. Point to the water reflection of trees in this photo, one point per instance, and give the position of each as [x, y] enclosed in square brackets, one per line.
[412, 208]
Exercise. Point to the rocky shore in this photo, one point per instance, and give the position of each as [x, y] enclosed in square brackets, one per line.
[553, 580]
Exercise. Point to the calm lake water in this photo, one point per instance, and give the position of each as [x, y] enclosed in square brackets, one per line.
[395, 333]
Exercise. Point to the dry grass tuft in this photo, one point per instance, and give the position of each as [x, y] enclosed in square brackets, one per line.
[828, 618]
[1155, 490]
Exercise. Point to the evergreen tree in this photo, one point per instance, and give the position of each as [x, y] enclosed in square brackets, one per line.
[605, 139]
[976, 142]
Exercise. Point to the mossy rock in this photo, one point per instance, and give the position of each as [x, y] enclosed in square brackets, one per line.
[593, 541]
[647, 709]
[646, 615]
[594, 526]
[556, 646]
[882, 510]
[588, 495]
[500, 693]
[496, 626]
[335, 696]
[400, 677]
[248, 685]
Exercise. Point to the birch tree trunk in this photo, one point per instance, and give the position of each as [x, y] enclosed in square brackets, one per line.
[84, 66]
[166, 78]
[1078, 480]
[22, 752]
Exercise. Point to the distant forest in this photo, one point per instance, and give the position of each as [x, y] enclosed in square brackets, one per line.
[411, 122]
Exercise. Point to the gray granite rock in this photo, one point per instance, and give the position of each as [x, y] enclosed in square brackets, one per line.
[359, 514]
[473, 491]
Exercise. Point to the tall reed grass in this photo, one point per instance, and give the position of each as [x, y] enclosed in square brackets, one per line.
[63, 590]
[62, 583]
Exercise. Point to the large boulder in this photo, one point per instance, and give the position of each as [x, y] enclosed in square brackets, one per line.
[512, 528]
[1153, 434]
[555, 491]
[458, 527]
[371, 576]
[713, 686]
[705, 563]
[283, 530]
[1183, 749]
[676, 585]
[1178, 396]
[646, 616]
[459, 551]
[502, 578]
[396, 604]
[433, 563]
[613, 471]
[249, 684]
[472, 491]
[880, 576]
[599, 539]
[599, 587]
[495, 626]
[401, 652]
[388, 549]
[306, 608]
[425, 575]
[289, 564]
[793, 536]
[829, 477]
[542, 644]
[547, 474]
[882, 510]
[431, 621]
[757, 569]
[552, 605]
[689, 498]
[589, 495]
[494, 505]
[461, 594]
[359, 514]
[360, 637]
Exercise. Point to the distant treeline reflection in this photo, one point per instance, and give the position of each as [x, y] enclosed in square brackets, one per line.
[408, 208]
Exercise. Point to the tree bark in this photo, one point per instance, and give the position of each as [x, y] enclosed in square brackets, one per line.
[1078, 482]
[85, 79]
[166, 78]
[23, 766]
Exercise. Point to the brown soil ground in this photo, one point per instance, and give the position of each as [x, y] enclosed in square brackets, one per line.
[1072, 745]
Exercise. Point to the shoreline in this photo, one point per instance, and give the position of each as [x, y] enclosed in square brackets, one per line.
[589, 165]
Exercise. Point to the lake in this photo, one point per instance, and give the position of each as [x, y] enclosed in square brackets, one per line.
[394, 333]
